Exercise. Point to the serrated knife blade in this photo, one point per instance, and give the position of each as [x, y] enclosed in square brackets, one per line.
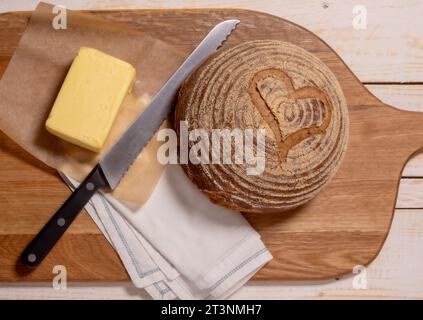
[113, 166]
[117, 161]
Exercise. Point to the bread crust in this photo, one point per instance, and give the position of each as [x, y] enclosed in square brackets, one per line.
[286, 91]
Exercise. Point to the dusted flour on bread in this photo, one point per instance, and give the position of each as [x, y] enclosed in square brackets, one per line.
[284, 90]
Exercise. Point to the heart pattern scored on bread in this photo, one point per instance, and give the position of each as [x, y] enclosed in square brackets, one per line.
[287, 100]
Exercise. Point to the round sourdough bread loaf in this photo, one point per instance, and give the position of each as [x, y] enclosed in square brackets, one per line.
[277, 87]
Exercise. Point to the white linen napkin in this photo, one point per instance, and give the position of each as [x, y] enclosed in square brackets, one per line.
[179, 244]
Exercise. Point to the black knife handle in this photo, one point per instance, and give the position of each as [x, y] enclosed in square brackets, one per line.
[45, 240]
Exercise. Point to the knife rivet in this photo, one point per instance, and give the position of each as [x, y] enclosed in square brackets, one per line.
[90, 186]
[32, 257]
[61, 222]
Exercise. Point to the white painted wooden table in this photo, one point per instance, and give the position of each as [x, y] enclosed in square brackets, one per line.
[388, 57]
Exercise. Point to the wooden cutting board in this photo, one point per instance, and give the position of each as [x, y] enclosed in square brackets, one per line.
[345, 226]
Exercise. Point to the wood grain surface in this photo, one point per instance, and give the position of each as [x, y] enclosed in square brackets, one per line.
[389, 50]
[345, 226]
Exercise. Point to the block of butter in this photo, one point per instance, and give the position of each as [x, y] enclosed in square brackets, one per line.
[90, 98]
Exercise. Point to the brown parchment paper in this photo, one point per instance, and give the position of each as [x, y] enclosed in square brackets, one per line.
[35, 74]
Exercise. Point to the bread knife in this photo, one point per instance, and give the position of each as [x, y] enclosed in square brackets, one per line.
[115, 163]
